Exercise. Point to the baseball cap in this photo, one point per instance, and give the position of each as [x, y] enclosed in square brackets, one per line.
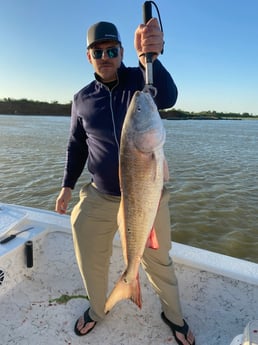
[102, 31]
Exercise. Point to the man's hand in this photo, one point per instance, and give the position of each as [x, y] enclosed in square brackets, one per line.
[63, 199]
[148, 39]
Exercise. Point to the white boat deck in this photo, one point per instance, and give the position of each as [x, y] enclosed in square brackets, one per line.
[217, 307]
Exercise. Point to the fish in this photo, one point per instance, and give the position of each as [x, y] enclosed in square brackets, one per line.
[142, 171]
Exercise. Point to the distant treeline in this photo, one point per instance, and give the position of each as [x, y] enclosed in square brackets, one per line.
[30, 107]
[173, 114]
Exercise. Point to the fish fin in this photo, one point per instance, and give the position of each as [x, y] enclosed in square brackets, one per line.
[124, 290]
[157, 170]
[121, 228]
[165, 170]
[152, 241]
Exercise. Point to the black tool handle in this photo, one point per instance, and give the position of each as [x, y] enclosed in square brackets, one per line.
[147, 11]
[147, 15]
[7, 239]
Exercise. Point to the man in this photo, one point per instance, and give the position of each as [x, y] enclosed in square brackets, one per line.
[98, 112]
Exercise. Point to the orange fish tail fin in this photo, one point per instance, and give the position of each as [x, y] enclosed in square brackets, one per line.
[152, 241]
[124, 290]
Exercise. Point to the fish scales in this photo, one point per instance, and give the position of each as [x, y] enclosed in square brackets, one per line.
[141, 174]
[141, 198]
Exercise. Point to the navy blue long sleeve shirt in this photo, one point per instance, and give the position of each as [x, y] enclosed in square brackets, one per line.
[96, 123]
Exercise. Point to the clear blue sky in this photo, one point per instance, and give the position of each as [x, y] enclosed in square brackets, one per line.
[211, 48]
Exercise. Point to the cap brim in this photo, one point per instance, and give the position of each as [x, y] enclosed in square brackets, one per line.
[102, 40]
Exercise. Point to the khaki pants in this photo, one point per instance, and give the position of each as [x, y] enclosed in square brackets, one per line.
[94, 224]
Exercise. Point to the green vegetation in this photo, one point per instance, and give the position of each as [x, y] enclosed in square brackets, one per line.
[172, 114]
[65, 298]
[29, 107]
[9, 106]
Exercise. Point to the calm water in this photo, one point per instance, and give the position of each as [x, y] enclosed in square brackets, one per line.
[213, 183]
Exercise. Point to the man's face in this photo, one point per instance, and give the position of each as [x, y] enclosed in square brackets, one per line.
[104, 64]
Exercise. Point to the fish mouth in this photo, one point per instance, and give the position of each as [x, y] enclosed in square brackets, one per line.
[151, 90]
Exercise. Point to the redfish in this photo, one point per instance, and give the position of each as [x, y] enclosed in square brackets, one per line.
[142, 170]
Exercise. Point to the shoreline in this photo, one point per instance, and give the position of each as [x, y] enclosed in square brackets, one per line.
[26, 107]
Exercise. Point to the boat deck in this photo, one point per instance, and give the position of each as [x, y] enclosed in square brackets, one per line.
[42, 306]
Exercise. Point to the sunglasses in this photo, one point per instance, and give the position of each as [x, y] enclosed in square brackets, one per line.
[111, 53]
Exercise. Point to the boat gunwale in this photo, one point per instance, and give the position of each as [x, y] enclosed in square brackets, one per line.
[197, 258]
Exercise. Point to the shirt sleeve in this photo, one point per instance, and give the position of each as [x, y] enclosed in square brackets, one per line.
[77, 151]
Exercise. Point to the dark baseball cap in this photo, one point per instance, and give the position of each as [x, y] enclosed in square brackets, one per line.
[101, 32]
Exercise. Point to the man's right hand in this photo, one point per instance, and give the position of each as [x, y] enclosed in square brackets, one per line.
[63, 199]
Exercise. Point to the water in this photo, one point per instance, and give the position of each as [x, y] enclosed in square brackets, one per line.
[213, 167]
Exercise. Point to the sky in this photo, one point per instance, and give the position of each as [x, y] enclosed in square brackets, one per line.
[211, 49]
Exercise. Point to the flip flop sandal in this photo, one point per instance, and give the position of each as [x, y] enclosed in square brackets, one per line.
[87, 319]
[175, 328]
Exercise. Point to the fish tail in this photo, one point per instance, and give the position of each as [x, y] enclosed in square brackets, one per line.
[125, 290]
